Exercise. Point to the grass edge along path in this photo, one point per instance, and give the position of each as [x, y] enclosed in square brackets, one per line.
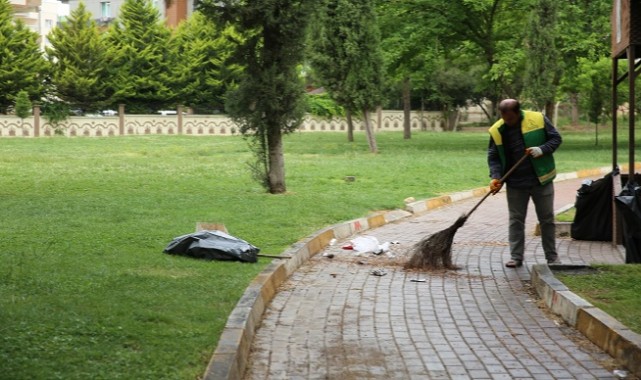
[84, 288]
[615, 289]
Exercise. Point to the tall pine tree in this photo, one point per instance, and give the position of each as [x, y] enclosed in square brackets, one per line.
[269, 101]
[204, 72]
[22, 66]
[347, 57]
[145, 61]
[81, 62]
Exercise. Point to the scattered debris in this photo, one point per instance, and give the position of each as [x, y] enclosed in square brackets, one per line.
[379, 272]
[620, 374]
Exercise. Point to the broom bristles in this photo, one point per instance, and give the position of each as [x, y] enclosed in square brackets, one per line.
[435, 251]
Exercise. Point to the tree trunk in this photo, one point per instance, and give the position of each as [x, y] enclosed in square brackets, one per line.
[456, 119]
[276, 171]
[556, 113]
[371, 139]
[407, 129]
[451, 118]
[350, 126]
[549, 110]
[574, 102]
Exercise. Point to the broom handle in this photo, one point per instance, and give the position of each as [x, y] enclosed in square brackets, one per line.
[509, 172]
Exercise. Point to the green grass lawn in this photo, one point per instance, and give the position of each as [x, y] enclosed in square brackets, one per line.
[566, 216]
[85, 290]
[616, 289]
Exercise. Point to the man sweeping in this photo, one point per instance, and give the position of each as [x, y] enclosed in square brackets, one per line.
[516, 134]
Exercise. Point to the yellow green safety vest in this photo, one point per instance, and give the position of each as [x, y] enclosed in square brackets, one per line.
[533, 129]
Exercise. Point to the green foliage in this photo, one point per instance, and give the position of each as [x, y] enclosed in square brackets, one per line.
[21, 63]
[543, 64]
[488, 33]
[55, 113]
[346, 55]
[23, 105]
[269, 100]
[205, 72]
[81, 62]
[144, 64]
[324, 106]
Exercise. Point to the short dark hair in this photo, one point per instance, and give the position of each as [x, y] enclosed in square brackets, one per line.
[509, 105]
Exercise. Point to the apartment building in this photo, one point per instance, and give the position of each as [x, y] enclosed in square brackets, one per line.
[105, 11]
[40, 15]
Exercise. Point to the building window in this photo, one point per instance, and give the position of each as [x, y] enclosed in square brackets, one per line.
[105, 9]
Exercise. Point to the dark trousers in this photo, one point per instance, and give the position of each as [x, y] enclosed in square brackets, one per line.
[517, 203]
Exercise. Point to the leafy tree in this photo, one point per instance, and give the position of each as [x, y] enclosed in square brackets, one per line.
[487, 32]
[55, 112]
[543, 68]
[269, 101]
[23, 105]
[143, 78]
[204, 71]
[596, 85]
[451, 86]
[81, 61]
[21, 63]
[324, 106]
[585, 35]
[408, 50]
[347, 57]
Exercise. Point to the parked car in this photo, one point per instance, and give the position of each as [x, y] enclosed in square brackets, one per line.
[167, 112]
[109, 113]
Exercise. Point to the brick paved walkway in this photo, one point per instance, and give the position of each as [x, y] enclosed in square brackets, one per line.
[334, 320]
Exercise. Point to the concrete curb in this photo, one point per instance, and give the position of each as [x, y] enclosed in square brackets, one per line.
[232, 353]
[599, 327]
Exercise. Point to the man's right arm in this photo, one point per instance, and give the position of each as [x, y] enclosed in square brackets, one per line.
[493, 160]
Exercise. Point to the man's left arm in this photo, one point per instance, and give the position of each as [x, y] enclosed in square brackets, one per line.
[553, 138]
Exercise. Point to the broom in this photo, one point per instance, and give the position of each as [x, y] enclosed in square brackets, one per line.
[435, 251]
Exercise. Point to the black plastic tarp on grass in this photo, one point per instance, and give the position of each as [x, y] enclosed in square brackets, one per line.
[593, 218]
[213, 245]
[628, 204]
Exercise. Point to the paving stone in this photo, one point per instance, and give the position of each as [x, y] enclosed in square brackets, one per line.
[333, 320]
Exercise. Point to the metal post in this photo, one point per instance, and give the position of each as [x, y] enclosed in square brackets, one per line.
[616, 187]
[631, 77]
[615, 108]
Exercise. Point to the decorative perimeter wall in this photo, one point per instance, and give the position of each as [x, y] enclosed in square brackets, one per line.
[182, 124]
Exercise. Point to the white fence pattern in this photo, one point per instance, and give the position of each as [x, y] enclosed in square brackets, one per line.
[205, 125]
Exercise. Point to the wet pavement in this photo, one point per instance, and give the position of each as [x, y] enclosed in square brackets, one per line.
[334, 319]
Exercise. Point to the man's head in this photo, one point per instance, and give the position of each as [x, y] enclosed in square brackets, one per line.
[510, 111]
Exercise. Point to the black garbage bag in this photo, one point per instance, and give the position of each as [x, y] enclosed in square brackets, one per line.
[593, 218]
[628, 204]
[213, 245]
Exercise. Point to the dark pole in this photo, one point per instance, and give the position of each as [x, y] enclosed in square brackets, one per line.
[631, 77]
[615, 188]
[615, 82]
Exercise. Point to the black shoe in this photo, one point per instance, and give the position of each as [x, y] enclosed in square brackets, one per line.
[514, 264]
[554, 261]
